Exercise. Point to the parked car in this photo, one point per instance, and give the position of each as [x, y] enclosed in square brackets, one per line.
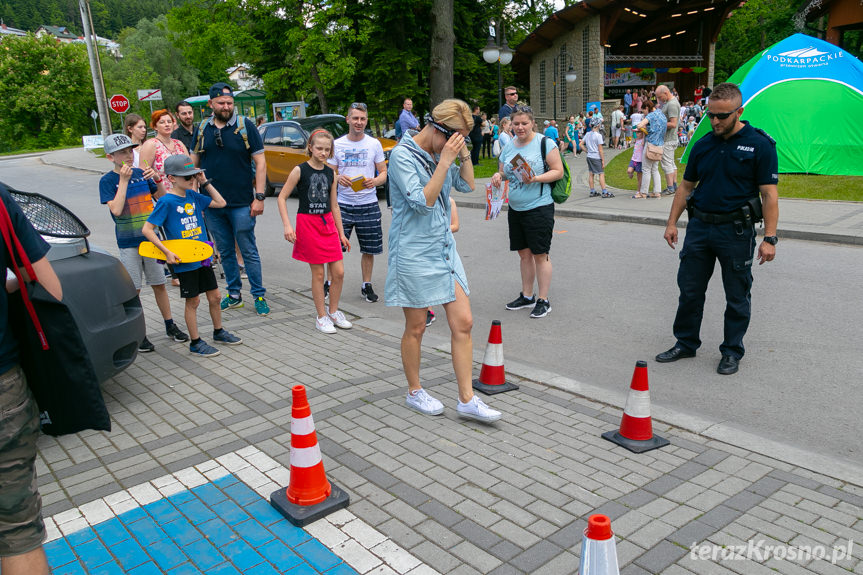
[285, 144]
[96, 287]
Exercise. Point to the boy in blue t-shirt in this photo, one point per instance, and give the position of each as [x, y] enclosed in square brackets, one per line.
[180, 212]
[129, 194]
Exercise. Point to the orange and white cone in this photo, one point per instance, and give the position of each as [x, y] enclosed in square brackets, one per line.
[309, 496]
[598, 550]
[636, 427]
[492, 378]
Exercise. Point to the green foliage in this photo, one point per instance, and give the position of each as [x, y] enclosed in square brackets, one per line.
[46, 93]
[750, 29]
[150, 60]
[109, 16]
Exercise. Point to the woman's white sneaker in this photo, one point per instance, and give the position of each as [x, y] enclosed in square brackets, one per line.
[339, 319]
[423, 402]
[325, 324]
[477, 409]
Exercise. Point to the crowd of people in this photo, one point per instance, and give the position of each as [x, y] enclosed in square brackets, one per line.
[188, 181]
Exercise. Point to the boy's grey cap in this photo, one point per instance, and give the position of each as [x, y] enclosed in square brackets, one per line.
[180, 165]
[117, 142]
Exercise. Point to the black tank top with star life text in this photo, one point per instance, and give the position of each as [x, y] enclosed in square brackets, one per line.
[313, 189]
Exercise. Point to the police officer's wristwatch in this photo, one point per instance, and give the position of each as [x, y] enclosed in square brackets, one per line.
[260, 197]
[771, 240]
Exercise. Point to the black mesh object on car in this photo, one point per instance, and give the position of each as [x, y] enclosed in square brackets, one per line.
[48, 217]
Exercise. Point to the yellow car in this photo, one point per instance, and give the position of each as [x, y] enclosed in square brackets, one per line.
[285, 144]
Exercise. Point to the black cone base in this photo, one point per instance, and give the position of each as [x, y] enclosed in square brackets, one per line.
[302, 515]
[493, 389]
[633, 445]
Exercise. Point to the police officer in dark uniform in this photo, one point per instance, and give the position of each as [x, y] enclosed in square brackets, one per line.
[728, 169]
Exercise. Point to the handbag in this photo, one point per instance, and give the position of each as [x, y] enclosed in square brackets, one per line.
[51, 351]
[653, 152]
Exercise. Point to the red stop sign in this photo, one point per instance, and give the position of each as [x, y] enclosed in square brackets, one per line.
[119, 103]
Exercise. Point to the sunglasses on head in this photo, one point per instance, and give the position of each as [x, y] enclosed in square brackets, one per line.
[358, 106]
[443, 129]
[722, 116]
[525, 109]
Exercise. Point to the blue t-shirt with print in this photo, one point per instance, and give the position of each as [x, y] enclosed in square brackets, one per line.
[182, 218]
[138, 206]
[523, 197]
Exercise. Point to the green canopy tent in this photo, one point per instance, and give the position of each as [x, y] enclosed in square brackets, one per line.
[806, 93]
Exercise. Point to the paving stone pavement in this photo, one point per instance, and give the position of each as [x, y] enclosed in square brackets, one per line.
[447, 495]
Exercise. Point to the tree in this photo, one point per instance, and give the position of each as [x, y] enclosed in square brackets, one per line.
[441, 59]
[46, 93]
[755, 26]
[150, 60]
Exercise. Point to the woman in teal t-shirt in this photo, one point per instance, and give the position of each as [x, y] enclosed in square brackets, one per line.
[531, 209]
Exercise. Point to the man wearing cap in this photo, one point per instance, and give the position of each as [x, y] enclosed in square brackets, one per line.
[231, 152]
[128, 193]
[361, 168]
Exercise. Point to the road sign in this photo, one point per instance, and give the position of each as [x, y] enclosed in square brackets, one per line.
[94, 114]
[96, 141]
[152, 95]
[119, 103]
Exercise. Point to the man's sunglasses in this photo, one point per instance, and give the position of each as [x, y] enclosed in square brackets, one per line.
[723, 116]
[513, 94]
[217, 134]
[443, 129]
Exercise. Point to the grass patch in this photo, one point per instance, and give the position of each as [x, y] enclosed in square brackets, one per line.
[35, 150]
[805, 186]
[487, 167]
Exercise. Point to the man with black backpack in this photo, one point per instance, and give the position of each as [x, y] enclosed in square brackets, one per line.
[231, 152]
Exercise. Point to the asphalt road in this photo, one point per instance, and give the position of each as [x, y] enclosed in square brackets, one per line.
[613, 298]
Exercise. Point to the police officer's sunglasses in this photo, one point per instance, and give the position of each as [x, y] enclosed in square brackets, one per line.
[722, 116]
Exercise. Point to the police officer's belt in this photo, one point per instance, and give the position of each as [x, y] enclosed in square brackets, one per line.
[711, 218]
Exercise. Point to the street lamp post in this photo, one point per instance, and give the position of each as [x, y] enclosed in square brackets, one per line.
[501, 54]
[570, 77]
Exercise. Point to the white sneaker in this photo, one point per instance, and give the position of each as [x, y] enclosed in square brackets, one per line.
[477, 409]
[424, 403]
[325, 324]
[339, 319]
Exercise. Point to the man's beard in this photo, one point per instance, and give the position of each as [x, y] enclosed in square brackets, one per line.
[224, 115]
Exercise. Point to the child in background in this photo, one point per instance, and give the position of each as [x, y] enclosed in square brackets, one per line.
[319, 236]
[180, 212]
[627, 131]
[635, 162]
[690, 127]
[128, 193]
[453, 226]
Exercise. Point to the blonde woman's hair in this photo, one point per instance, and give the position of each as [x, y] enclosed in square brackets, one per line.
[454, 114]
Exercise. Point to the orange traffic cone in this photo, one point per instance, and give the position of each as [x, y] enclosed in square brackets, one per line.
[309, 495]
[492, 378]
[598, 550]
[636, 427]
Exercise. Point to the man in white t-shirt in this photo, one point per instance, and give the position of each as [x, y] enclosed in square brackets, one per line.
[360, 167]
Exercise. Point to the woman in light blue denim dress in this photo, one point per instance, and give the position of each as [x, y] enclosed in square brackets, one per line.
[423, 266]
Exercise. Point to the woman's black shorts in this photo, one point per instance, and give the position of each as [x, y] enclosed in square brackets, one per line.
[531, 229]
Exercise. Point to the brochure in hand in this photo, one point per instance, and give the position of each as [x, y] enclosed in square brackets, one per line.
[522, 169]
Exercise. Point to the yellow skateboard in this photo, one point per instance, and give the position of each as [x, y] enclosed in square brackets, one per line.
[187, 250]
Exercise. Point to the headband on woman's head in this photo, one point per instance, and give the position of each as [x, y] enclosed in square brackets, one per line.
[319, 130]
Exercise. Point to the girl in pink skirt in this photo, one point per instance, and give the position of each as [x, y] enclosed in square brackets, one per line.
[319, 237]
